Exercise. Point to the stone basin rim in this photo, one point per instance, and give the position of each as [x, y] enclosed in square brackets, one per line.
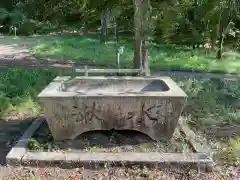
[54, 89]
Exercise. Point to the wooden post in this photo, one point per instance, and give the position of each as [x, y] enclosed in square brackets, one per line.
[86, 70]
[145, 64]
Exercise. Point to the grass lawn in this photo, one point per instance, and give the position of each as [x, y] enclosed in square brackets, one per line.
[161, 56]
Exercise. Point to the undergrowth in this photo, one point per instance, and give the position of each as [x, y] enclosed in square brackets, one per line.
[19, 88]
[230, 152]
[211, 101]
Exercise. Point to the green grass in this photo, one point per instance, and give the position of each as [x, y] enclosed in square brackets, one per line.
[211, 100]
[19, 88]
[161, 57]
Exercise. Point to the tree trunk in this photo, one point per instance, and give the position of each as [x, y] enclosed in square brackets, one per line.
[137, 29]
[102, 28]
[221, 39]
[141, 22]
[116, 32]
[220, 46]
[213, 39]
[137, 52]
[106, 20]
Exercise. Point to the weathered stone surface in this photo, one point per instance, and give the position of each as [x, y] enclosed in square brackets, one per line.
[93, 160]
[17, 152]
[133, 157]
[149, 105]
[43, 156]
[198, 143]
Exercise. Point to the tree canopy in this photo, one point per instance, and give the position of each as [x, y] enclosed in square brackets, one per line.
[191, 22]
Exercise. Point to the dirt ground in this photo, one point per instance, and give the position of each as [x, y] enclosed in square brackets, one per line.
[107, 141]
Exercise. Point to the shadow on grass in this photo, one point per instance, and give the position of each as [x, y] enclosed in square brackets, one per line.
[82, 48]
[161, 56]
[88, 50]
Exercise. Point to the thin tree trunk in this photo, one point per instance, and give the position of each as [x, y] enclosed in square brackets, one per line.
[220, 36]
[117, 46]
[141, 23]
[213, 38]
[106, 19]
[116, 32]
[225, 23]
[102, 28]
[137, 29]
[220, 47]
[137, 52]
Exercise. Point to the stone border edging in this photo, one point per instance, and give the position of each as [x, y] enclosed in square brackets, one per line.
[19, 155]
[15, 155]
[92, 160]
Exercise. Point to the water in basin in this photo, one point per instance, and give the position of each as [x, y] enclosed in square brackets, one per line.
[118, 86]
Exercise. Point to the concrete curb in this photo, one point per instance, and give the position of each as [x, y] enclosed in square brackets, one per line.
[93, 160]
[14, 157]
[19, 155]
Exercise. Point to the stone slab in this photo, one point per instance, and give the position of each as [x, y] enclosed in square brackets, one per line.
[17, 152]
[43, 158]
[19, 155]
[198, 144]
[93, 160]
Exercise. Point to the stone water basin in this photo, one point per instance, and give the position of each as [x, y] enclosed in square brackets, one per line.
[151, 105]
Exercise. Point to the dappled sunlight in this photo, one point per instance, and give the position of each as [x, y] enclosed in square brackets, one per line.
[227, 65]
[19, 88]
[90, 50]
[82, 49]
[84, 40]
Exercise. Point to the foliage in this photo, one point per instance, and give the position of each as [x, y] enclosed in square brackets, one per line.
[18, 85]
[212, 23]
[211, 101]
[230, 153]
[34, 145]
[3, 14]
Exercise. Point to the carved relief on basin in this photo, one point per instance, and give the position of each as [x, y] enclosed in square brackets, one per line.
[149, 105]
